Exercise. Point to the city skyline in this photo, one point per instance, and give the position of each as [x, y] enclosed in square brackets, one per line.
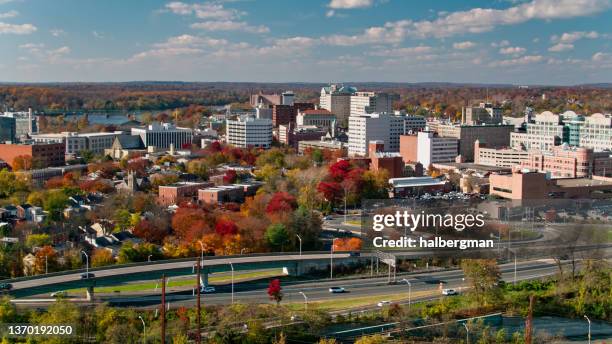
[517, 42]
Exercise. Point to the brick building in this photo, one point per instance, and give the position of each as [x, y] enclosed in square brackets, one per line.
[43, 154]
[179, 192]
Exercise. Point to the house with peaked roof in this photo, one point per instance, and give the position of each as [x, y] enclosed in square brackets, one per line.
[126, 146]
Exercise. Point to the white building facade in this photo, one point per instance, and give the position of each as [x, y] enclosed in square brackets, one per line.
[249, 132]
[337, 100]
[374, 127]
[434, 149]
[370, 102]
[164, 135]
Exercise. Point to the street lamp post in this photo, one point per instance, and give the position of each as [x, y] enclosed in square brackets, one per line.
[144, 329]
[409, 292]
[467, 334]
[300, 239]
[331, 261]
[232, 267]
[305, 300]
[242, 251]
[589, 320]
[149, 258]
[46, 265]
[201, 253]
[86, 263]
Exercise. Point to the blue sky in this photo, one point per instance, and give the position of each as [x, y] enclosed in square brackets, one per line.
[499, 41]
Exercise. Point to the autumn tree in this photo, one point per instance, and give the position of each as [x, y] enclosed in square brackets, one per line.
[22, 163]
[46, 260]
[275, 291]
[281, 202]
[230, 177]
[226, 227]
[153, 231]
[102, 257]
[190, 223]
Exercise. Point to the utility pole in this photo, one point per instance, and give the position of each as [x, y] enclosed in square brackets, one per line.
[198, 307]
[529, 322]
[163, 310]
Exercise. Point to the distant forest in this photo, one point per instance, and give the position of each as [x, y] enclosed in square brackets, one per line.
[435, 99]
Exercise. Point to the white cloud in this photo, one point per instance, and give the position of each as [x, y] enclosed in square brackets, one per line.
[228, 25]
[57, 32]
[421, 49]
[599, 56]
[476, 20]
[330, 13]
[9, 14]
[559, 47]
[2, 2]
[17, 29]
[464, 45]
[348, 4]
[503, 43]
[512, 51]
[32, 46]
[523, 60]
[571, 37]
[207, 10]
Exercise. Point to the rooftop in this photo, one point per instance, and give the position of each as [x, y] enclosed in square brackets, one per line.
[581, 182]
[415, 181]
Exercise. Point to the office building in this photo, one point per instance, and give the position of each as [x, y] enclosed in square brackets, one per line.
[374, 127]
[247, 131]
[42, 154]
[321, 118]
[291, 136]
[549, 130]
[287, 98]
[78, 142]
[370, 102]
[380, 160]
[264, 100]
[337, 100]
[484, 113]
[8, 129]
[323, 145]
[498, 157]
[25, 123]
[432, 148]
[495, 135]
[565, 161]
[163, 135]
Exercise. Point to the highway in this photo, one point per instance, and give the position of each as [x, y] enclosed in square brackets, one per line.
[317, 291]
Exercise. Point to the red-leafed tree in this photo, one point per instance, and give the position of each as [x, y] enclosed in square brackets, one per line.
[339, 170]
[190, 224]
[226, 227]
[150, 231]
[275, 291]
[230, 177]
[215, 147]
[281, 202]
[332, 191]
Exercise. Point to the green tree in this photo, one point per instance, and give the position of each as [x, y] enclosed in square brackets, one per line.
[484, 276]
[8, 311]
[277, 236]
[9, 183]
[38, 240]
[55, 202]
[199, 168]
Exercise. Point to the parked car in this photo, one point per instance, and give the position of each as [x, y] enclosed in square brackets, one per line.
[87, 275]
[208, 289]
[384, 303]
[335, 290]
[6, 286]
[449, 292]
[60, 293]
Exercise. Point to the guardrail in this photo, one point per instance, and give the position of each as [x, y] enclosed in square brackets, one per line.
[160, 262]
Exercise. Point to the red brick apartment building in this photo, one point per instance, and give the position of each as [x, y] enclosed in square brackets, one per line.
[285, 114]
[179, 192]
[43, 154]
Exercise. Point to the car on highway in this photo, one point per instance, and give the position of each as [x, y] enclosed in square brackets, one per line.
[208, 289]
[87, 275]
[384, 303]
[449, 292]
[328, 218]
[336, 290]
[60, 293]
[6, 286]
